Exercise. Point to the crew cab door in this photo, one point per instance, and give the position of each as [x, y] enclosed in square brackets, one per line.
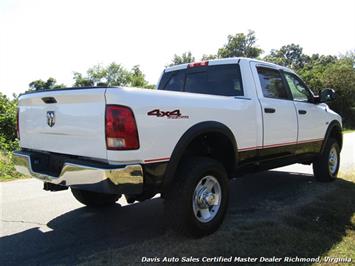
[278, 111]
[312, 123]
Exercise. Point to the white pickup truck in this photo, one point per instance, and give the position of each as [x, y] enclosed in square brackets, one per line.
[207, 122]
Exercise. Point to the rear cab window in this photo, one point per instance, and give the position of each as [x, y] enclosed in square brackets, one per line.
[173, 81]
[224, 80]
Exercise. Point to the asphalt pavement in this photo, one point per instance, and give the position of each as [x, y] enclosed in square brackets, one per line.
[39, 227]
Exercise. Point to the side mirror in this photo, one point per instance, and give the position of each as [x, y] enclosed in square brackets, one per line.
[327, 95]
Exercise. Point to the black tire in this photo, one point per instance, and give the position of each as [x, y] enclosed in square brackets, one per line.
[179, 209]
[323, 169]
[94, 199]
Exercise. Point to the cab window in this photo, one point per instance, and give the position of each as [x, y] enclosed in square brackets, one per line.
[222, 80]
[298, 90]
[215, 80]
[272, 83]
[175, 81]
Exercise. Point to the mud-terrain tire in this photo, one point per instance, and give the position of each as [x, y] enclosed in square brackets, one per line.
[326, 165]
[196, 203]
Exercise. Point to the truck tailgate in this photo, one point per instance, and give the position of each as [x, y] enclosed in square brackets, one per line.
[69, 121]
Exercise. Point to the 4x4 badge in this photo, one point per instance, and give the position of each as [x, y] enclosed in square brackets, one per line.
[168, 114]
[51, 118]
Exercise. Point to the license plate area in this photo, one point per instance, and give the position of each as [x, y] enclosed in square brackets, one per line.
[49, 164]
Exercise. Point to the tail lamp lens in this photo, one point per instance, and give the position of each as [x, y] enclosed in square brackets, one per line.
[198, 64]
[121, 128]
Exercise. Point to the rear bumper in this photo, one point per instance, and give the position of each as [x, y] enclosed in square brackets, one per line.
[116, 179]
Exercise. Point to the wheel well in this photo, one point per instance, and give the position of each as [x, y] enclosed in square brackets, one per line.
[214, 145]
[209, 138]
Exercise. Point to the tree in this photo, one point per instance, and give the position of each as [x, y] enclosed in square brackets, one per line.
[206, 57]
[327, 71]
[50, 84]
[182, 59]
[80, 81]
[240, 45]
[290, 55]
[7, 123]
[112, 75]
[137, 79]
[340, 76]
[312, 72]
[117, 75]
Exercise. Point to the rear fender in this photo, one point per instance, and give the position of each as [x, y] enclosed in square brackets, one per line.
[187, 138]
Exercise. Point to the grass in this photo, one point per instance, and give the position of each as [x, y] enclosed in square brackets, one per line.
[7, 169]
[345, 131]
[283, 218]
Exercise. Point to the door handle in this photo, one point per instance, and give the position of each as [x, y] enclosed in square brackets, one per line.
[49, 100]
[302, 112]
[269, 110]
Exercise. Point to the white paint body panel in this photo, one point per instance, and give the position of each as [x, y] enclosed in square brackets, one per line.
[159, 135]
[80, 119]
[79, 122]
[279, 127]
[314, 123]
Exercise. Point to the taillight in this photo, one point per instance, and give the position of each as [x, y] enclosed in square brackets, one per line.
[18, 123]
[198, 64]
[121, 128]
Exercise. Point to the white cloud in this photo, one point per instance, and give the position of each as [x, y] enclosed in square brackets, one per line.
[39, 39]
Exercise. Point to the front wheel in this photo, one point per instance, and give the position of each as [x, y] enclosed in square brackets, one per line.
[197, 201]
[94, 199]
[326, 166]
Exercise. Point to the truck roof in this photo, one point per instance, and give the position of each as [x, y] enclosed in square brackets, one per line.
[232, 60]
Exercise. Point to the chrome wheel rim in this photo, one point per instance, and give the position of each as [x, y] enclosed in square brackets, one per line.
[206, 199]
[333, 160]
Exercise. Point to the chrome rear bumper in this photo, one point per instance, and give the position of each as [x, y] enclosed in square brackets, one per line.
[105, 179]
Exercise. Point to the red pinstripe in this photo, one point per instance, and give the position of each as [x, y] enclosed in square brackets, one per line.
[157, 160]
[279, 144]
[247, 149]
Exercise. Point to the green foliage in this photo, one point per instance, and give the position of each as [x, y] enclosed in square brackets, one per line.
[7, 169]
[182, 59]
[8, 140]
[208, 57]
[312, 72]
[340, 76]
[111, 75]
[8, 110]
[50, 84]
[323, 71]
[336, 73]
[240, 45]
[80, 81]
[137, 79]
[290, 55]
[116, 75]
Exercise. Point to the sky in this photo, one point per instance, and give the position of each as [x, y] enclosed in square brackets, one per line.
[51, 38]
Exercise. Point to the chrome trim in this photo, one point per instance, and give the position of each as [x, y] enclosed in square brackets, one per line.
[129, 176]
[207, 198]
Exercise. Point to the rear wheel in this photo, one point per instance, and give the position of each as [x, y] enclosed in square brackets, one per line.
[94, 199]
[196, 203]
[326, 166]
